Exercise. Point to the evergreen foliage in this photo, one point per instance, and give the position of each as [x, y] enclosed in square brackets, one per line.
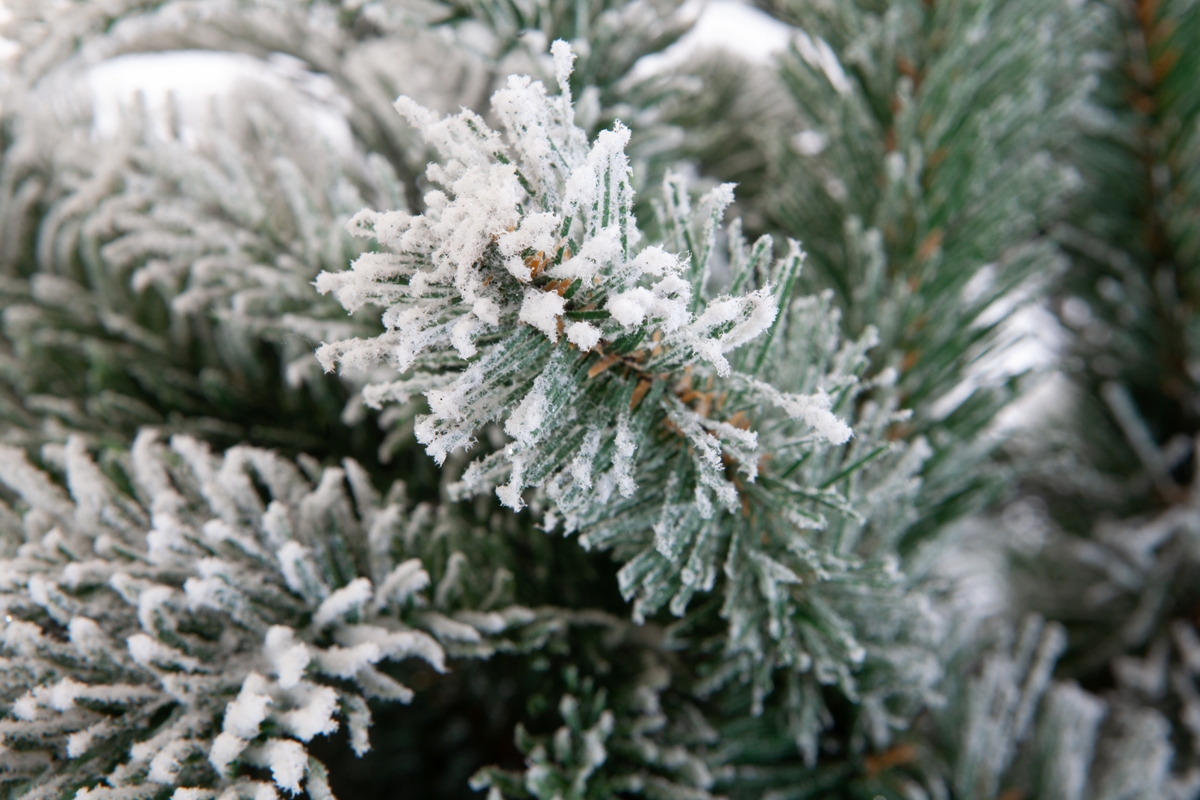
[582, 347]
[197, 314]
[923, 166]
[171, 282]
[492, 440]
[143, 612]
[1109, 521]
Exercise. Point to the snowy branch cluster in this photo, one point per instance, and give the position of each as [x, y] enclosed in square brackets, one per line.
[538, 230]
[219, 610]
[630, 394]
[226, 230]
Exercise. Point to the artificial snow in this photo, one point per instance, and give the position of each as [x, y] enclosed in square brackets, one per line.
[542, 310]
[583, 335]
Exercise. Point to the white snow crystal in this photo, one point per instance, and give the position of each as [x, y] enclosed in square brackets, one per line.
[622, 466]
[656, 261]
[629, 308]
[25, 707]
[382, 687]
[721, 310]
[225, 748]
[64, 693]
[191, 793]
[542, 310]
[346, 662]
[583, 335]
[667, 302]
[401, 583]
[671, 298]
[288, 657]
[288, 761]
[299, 571]
[815, 410]
[581, 466]
[527, 417]
[517, 267]
[349, 599]
[752, 315]
[596, 253]
[581, 185]
[451, 630]
[564, 61]
[537, 232]
[86, 636]
[756, 321]
[450, 403]
[358, 717]
[460, 336]
[165, 766]
[486, 310]
[216, 593]
[148, 652]
[510, 493]
[315, 717]
[396, 644]
[149, 603]
[80, 742]
[245, 713]
[371, 224]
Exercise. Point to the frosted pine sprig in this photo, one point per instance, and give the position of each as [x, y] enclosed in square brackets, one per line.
[697, 437]
[522, 284]
[214, 613]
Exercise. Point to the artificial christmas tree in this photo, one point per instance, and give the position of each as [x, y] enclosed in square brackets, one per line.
[615, 482]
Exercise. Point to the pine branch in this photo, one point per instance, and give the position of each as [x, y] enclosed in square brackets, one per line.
[925, 161]
[174, 315]
[179, 618]
[519, 300]
[1113, 507]
[173, 279]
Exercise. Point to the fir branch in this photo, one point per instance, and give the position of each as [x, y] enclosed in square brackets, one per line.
[1111, 512]
[179, 618]
[173, 279]
[926, 158]
[633, 423]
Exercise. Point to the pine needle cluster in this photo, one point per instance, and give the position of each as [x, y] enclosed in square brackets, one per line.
[575, 427]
